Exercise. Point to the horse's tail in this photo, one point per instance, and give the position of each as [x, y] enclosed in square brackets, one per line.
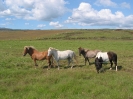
[75, 57]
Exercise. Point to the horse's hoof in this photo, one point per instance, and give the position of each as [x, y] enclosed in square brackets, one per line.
[110, 68]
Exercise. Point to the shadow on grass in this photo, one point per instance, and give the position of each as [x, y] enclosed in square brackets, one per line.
[113, 68]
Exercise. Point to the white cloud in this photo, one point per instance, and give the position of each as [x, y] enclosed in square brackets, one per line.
[5, 12]
[125, 5]
[5, 24]
[34, 9]
[105, 3]
[56, 24]
[9, 19]
[104, 17]
[41, 25]
[1, 5]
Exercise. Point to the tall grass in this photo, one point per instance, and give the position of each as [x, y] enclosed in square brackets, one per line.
[20, 80]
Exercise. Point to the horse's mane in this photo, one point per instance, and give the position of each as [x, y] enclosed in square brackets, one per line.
[53, 48]
[86, 50]
[29, 47]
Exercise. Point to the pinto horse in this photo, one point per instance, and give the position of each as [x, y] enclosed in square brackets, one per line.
[36, 55]
[88, 54]
[102, 57]
[61, 55]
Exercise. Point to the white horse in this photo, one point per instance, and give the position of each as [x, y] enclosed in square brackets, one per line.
[61, 55]
[105, 57]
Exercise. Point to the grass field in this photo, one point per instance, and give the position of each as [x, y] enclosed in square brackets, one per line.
[20, 80]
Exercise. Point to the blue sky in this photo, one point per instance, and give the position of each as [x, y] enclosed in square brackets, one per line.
[66, 14]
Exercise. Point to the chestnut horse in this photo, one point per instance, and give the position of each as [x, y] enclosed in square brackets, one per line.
[36, 55]
[88, 54]
[102, 57]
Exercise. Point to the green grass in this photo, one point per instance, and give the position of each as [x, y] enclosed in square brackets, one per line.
[20, 80]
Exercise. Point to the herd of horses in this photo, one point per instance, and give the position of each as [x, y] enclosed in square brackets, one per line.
[52, 53]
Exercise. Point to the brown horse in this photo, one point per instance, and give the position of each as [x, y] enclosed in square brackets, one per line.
[88, 54]
[36, 55]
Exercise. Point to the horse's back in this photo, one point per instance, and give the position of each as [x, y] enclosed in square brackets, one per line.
[112, 53]
[103, 55]
[91, 54]
[65, 54]
[66, 51]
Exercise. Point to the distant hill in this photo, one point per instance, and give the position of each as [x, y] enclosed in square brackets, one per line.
[4, 29]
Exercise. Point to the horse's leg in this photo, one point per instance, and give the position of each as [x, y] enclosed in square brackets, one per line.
[111, 64]
[115, 65]
[97, 71]
[49, 64]
[72, 63]
[58, 64]
[35, 63]
[85, 60]
[52, 62]
[88, 60]
[68, 62]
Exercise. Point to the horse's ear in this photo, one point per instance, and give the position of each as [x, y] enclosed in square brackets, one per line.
[28, 47]
[50, 47]
[25, 47]
[79, 48]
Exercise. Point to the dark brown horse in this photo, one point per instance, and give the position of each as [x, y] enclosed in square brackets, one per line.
[36, 55]
[102, 57]
[87, 54]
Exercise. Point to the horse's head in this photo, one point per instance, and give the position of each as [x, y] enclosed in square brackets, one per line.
[27, 49]
[50, 51]
[98, 63]
[80, 51]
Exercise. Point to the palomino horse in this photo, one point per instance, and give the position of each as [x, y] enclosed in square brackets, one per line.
[88, 54]
[36, 55]
[102, 57]
[61, 55]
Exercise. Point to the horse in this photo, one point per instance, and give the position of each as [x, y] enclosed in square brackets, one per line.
[36, 55]
[62, 55]
[102, 57]
[87, 54]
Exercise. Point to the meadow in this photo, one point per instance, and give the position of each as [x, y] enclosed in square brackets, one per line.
[20, 80]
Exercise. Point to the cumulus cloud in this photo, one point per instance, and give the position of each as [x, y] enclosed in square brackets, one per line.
[41, 25]
[1, 5]
[109, 3]
[105, 3]
[125, 5]
[56, 24]
[104, 17]
[34, 9]
[9, 19]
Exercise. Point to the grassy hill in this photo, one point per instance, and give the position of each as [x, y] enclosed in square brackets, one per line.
[20, 80]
